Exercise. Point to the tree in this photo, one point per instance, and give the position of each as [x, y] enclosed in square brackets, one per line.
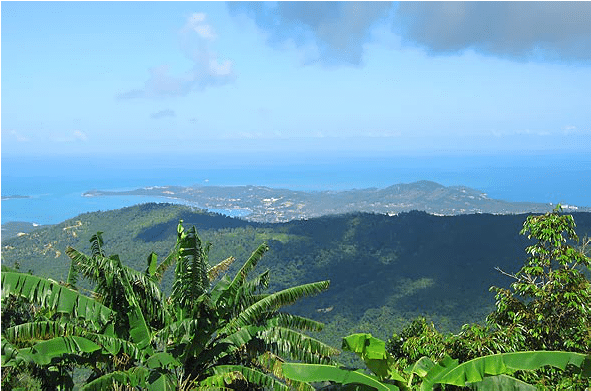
[549, 299]
[547, 307]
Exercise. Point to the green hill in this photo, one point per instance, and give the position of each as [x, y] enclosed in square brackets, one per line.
[384, 270]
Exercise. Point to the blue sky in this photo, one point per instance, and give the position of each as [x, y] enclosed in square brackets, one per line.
[191, 77]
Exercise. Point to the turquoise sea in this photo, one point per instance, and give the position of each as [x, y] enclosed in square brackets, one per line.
[55, 185]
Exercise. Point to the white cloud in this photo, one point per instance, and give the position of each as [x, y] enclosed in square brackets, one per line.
[569, 129]
[163, 113]
[196, 23]
[521, 132]
[80, 135]
[208, 69]
[74, 136]
[19, 137]
[383, 134]
[220, 69]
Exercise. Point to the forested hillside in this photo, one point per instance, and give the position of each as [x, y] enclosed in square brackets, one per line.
[384, 270]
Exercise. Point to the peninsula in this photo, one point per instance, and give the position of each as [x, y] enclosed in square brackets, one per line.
[270, 205]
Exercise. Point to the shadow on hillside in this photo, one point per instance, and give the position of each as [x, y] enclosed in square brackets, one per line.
[201, 220]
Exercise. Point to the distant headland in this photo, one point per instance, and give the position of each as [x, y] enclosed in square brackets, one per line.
[272, 205]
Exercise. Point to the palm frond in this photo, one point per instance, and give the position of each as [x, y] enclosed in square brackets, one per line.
[242, 336]
[273, 364]
[107, 274]
[250, 263]
[225, 294]
[246, 294]
[173, 255]
[96, 244]
[84, 263]
[115, 288]
[295, 322]
[72, 279]
[191, 279]
[152, 261]
[258, 283]
[228, 374]
[276, 300]
[298, 346]
[180, 332]
[54, 297]
[134, 377]
[138, 328]
[11, 355]
[28, 333]
[58, 348]
[168, 262]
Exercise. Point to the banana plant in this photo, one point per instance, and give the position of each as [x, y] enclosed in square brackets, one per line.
[233, 333]
[79, 331]
[222, 335]
[490, 372]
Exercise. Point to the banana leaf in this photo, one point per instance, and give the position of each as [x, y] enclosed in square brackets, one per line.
[227, 374]
[274, 301]
[320, 372]
[52, 296]
[476, 370]
[373, 352]
[55, 349]
[501, 383]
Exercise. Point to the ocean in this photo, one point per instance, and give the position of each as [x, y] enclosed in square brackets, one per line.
[54, 185]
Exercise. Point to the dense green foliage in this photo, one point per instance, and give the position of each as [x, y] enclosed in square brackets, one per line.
[490, 372]
[384, 270]
[224, 335]
[547, 307]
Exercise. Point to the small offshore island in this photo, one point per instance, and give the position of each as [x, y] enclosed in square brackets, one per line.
[271, 205]
[10, 197]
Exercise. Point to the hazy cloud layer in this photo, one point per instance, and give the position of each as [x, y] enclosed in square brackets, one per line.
[69, 137]
[554, 30]
[163, 113]
[17, 136]
[195, 40]
[336, 30]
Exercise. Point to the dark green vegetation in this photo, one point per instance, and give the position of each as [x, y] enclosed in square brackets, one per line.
[128, 333]
[486, 373]
[230, 334]
[538, 336]
[384, 270]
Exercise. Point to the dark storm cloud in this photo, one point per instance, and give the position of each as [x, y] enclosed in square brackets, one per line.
[338, 29]
[520, 30]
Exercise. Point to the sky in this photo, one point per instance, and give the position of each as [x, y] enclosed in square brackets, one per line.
[294, 77]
